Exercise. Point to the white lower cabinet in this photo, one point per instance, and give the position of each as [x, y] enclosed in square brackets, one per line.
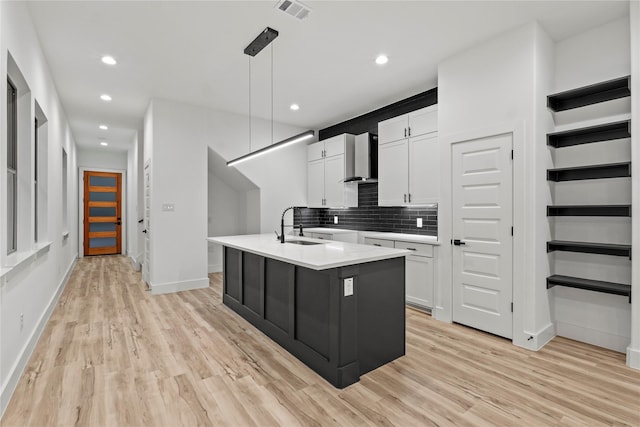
[419, 280]
[419, 274]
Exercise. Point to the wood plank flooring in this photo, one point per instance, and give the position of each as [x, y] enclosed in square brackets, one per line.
[113, 355]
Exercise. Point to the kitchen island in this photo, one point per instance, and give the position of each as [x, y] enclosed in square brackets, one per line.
[338, 307]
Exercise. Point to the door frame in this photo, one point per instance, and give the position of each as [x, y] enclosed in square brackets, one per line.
[123, 183]
[523, 273]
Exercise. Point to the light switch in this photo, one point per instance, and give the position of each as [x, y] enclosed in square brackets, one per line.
[419, 222]
[168, 207]
[348, 286]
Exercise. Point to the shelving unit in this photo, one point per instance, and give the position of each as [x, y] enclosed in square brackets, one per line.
[575, 98]
[592, 94]
[604, 132]
[590, 248]
[590, 285]
[589, 210]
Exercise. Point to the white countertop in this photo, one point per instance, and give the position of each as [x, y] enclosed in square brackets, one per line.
[327, 230]
[329, 254]
[413, 238]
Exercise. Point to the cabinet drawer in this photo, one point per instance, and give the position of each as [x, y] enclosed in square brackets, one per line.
[378, 242]
[421, 249]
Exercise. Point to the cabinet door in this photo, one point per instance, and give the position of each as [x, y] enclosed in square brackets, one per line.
[334, 146]
[314, 151]
[334, 181]
[393, 159]
[393, 129]
[419, 280]
[424, 120]
[315, 183]
[424, 169]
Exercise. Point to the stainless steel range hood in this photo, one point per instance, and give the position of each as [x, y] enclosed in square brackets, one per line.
[366, 159]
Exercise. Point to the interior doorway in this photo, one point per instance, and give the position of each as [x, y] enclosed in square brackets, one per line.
[482, 182]
[102, 213]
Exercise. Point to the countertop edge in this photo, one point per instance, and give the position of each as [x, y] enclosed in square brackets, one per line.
[398, 253]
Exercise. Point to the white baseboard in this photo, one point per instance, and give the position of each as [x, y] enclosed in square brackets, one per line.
[135, 263]
[536, 340]
[215, 268]
[21, 363]
[187, 285]
[633, 358]
[593, 336]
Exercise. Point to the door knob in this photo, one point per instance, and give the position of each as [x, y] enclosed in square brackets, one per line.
[458, 242]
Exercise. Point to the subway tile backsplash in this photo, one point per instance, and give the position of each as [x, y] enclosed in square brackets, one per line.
[368, 216]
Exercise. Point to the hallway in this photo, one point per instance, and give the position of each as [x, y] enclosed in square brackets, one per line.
[113, 355]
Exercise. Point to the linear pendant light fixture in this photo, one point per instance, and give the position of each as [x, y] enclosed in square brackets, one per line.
[259, 43]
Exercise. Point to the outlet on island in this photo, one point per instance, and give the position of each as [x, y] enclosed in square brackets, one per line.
[335, 219]
[419, 222]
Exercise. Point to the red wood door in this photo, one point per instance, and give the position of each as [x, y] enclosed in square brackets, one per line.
[102, 213]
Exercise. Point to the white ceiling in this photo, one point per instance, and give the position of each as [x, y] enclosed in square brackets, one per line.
[192, 52]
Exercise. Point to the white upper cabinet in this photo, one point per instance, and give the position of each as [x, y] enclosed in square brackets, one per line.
[329, 162]
[408, 159]
[393, 164]
[424, 169]
[419, 122]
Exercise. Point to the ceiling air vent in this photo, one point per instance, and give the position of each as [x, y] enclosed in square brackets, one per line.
[294, 8]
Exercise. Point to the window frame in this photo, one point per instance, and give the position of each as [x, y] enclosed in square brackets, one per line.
[12, 167]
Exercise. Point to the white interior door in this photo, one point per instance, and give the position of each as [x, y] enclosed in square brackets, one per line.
[147, 223]
[482, 220]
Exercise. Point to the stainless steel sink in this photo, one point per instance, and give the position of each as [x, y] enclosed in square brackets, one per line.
[303, 242]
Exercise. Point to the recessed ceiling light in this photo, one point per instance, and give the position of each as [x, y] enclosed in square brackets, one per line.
[104, 143]
[105, 97]
[295, 107]
[109, 60]
[382, 59]
[104, 127]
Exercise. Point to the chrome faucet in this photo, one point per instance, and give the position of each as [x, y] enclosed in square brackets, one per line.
[282, 225]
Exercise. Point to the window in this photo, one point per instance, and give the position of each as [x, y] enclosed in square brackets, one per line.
[12, 166]
[40, 187]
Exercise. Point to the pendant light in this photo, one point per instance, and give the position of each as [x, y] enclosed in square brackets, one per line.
[259, 43]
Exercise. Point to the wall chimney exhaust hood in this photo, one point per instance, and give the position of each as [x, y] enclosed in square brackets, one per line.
[366, 159]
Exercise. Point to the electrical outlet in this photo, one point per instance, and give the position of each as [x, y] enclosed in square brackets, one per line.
[168, 207]
[348, 287]
[21, 322]
[419, 222]
[335, 219]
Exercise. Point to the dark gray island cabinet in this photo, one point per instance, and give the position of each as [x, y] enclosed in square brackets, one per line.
[338, 307]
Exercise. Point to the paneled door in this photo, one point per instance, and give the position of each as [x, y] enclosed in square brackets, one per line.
[482, 226]
[102, 213]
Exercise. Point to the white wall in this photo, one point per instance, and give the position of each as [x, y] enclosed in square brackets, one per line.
[102, 159]
[600, 54]
[134, 209]
[32, 287]
[633, 351]
[494, 88]
[178, 136]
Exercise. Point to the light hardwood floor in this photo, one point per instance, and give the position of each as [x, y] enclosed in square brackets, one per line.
[113, 355]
